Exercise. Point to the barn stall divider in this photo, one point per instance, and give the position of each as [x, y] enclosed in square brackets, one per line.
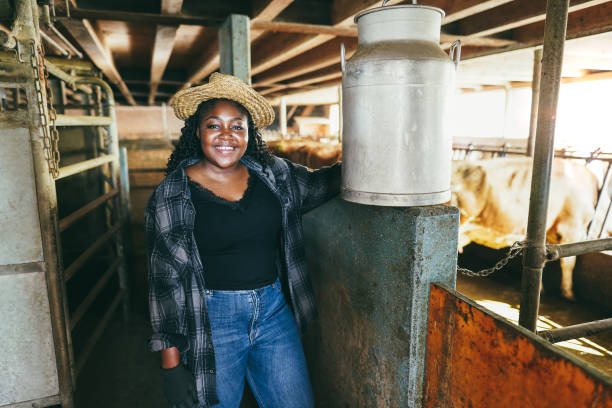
[62, 259]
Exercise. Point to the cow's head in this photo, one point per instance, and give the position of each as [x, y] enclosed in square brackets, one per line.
[468, 189]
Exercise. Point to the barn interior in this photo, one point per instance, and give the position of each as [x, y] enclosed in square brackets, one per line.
[103, 74]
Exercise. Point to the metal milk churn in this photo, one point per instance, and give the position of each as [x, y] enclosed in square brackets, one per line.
[396, 90]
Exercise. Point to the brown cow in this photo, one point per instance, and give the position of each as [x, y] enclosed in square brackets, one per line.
[493, 199]
[307, 152]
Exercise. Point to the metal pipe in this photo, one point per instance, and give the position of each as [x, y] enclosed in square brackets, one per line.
[535, 253]
[47, 211]
[65, 41]
[86, 209]
[64, 76]
[98, 332]
[84, 165]
[600, 195]
[113, 149]
[86, 303]
[84, 257]
[605, 221]
[554, 252]
[55, 45]
[82, 120]
[577, 331]
[494, 149]
[71, 64]
[126, 210]
[535, 99]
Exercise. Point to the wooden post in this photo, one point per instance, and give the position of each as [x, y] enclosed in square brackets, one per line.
[235, 47]
[535, 99]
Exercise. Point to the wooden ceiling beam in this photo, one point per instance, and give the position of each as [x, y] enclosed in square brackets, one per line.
[329, 53]
[162, 46]
[457, 10]
[268, 54]
[321, 57]
[150, 18]
[331, 82]
[303, 28]
[447, 39]
[513, 15]
[594, 20]
[85, 35]
[209, 63]
[343, 11]
[267, 10]
[263, 10]
[582, 23]
[326, 74]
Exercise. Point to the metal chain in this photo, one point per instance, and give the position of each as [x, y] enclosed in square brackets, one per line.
[50, 132]
[515, 250]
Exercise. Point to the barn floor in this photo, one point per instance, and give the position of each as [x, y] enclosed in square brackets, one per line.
[121, 373]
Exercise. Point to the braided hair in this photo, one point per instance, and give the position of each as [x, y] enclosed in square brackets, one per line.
[189, 146]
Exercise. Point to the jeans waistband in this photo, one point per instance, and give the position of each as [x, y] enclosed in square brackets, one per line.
[276, 285]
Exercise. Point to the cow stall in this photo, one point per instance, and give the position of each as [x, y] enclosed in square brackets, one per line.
[373, 265]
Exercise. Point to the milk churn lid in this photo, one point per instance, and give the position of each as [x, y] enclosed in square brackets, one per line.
[402, 6]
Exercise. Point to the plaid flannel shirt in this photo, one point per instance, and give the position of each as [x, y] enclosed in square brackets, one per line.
[177, 304]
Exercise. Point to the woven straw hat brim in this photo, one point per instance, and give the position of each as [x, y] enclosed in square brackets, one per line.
[186, 102]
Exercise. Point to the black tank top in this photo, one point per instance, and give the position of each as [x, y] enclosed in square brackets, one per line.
[238, 241]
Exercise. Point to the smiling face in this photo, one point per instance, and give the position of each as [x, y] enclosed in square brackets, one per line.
[223, 134]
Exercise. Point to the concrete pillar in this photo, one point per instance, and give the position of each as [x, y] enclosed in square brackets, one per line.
[235, 47]
[371, 268]
[282, 116]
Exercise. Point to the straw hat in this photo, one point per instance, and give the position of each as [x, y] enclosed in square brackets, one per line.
[186, 101]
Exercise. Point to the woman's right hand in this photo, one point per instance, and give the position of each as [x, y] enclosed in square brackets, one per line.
[179, 387]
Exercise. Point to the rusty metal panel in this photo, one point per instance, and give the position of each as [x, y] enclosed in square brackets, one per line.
[371, 267]
[478, 359]
[20, 232]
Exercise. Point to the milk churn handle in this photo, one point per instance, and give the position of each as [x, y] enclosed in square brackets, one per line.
[342, 57]
[455, 52]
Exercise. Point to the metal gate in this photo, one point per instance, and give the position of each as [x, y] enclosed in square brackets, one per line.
[62, 258]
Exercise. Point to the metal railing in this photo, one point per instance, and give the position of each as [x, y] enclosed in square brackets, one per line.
[463, 151]
[537, 253]
[115, 199]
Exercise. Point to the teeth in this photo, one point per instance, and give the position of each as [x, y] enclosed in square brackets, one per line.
[227, 148]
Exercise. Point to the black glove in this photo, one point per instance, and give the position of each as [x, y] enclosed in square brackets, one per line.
[179, 387]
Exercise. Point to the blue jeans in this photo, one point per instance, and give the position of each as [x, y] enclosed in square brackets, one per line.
[255, 337]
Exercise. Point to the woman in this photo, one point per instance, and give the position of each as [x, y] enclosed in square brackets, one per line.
[228, 289]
